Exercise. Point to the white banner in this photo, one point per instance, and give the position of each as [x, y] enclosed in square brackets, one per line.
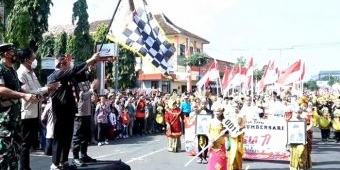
[266, 139]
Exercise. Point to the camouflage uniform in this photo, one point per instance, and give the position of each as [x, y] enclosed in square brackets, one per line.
[9, 121]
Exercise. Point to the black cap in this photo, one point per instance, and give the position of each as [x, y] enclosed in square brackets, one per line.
[6, 47]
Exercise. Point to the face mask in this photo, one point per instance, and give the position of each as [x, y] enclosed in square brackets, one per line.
[34, 64]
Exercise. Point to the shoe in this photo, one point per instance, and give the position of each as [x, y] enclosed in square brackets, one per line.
[78, 163]
[88, 159]
[199, 160]
[67, 166]
[205, 161]
[106, 142]
[100, 143]
[54, 167]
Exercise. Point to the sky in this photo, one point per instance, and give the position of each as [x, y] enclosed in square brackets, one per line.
[280, 30]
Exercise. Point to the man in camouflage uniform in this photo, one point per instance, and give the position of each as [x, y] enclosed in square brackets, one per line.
[10, 136]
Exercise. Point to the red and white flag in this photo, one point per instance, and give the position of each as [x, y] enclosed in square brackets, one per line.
[292, 74]
[237, 76]
[225, 79]
[272, 74]
[246, 84]
[211, 75]
[261, 83]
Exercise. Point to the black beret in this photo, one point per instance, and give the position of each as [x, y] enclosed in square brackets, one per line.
[6, 47]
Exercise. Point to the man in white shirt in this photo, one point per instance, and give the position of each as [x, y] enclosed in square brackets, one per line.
[29, 110]
[250, 110]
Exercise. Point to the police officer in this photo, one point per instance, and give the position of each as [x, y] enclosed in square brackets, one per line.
[29, 110]
[82, 125]
[10, 107]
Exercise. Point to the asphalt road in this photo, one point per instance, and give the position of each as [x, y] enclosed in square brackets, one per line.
[149, 153]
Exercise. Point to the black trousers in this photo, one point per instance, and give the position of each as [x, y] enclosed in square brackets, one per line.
[81, 136]
[203, 139]
[30, 128]
[103, 131]
[325, 133]
[337, 135]
[139, 125]
[63, 131]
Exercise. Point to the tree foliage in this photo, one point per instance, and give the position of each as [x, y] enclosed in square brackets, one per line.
[27, 22]
[126, 68]
[311, 85]
[60, 44]
[241, 61]
[8, 6]
[258, 73]
[83, 43]
[99, 35]
[46, 48]
[197, 59]
[70, 45]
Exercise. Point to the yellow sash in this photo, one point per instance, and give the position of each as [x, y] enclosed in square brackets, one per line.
[324, 123]
[336, 124]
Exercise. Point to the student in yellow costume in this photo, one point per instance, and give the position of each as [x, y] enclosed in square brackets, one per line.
[235, 154]
[300, 154]
[336, 125]
[218, 157]
[325, 124]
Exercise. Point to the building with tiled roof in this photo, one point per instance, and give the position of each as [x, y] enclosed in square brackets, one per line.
[186, 43]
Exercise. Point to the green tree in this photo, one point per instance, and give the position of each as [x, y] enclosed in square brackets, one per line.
[70, 47]
[8, 6]
[60, 44]
[99, 35]
[197, 59]
[46, 48]
[126, 68]
[258, 73]
[27, 22]
[83, 43]
[240, 61]
[310, 85]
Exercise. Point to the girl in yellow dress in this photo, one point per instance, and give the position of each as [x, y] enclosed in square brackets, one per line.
[217, 158]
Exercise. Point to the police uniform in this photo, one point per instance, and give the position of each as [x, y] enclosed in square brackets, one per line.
[82, 126]
[10, 138]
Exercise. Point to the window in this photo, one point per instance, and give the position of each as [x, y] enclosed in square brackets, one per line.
[191, 50]
[154, 84]
[198, 50]
[182, 50]
[165, 86]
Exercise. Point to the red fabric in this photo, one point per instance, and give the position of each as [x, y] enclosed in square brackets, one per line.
[140, 112]
[173, 117]
[125, 118]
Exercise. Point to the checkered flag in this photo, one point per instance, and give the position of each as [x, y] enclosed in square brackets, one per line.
[143, 35]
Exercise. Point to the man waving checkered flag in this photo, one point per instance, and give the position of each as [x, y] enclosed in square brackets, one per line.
[137, 29]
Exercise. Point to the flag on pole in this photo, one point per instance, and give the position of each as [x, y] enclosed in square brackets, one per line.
[225, 79]
[261, 84]
[249, 75]
[271, 74]
[135, 28]
[292, 74]
[211, 75]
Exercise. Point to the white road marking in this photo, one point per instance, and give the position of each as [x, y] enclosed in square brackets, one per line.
[146, 155]
[98, 157]
[108, 155]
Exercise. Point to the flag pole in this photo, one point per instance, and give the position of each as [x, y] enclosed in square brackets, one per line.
[252, 84]
[108, 27]
[101, 64]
